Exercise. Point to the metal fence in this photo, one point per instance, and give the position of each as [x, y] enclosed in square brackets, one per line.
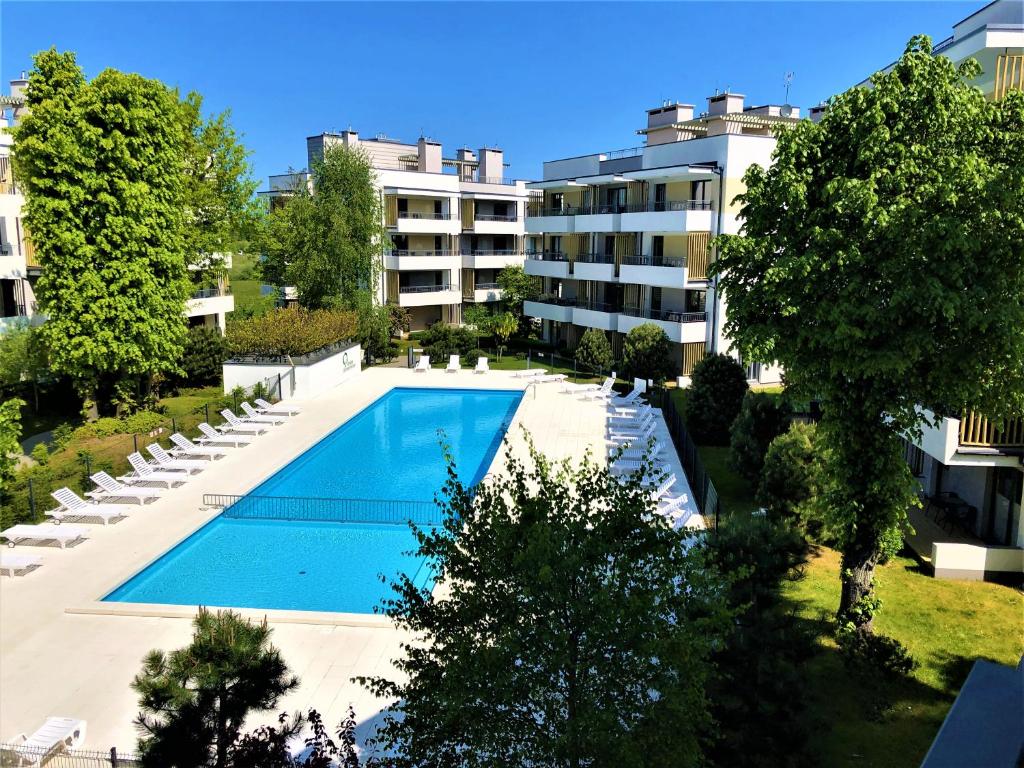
[327, 510]
[704, 493]
[20, 755]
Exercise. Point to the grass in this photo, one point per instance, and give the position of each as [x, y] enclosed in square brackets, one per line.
[245, 288]
[946, 625]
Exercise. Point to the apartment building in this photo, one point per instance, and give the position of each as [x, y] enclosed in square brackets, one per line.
[19, 267]
[454, 222]
[17, 258]
[972, 470]
[624, 236]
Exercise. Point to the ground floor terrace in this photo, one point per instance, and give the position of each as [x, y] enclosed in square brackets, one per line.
[67, 653]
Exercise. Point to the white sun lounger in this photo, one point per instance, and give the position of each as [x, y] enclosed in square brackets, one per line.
[229, 438]
[453, 364]
[529, 372]
[167, 462]
[185, 447]
[281, 407]
[626, 414]
[74, 506]
[235, 424]
[673, 505]
[423, 364]
[264, 418]
[481, 365]
[619, 434]
[145, 473]
[55, 735]
[550, 377]
[603, 391]
[626, 466]
[109, 488]
[637, 450]
[62, 534]
[658, 493]
[628, 398]
[12, 562]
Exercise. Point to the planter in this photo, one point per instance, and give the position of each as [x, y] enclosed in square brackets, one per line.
[307, 376]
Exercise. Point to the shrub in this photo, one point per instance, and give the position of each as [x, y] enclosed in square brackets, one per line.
[473, 355]
[647, 353]
[202, 355]
[762, 418]
[375, 331]
[292, 331]
[444, 340]
[138, 423]
[788, 474]
[715, 398]
[594, 352]
[871, 653]
[41, 454]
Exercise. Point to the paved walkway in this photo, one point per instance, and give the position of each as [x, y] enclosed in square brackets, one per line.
[54, 661]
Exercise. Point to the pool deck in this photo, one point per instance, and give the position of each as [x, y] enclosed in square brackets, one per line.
[62, 652]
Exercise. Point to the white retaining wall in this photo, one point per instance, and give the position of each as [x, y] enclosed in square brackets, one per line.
[299, 381]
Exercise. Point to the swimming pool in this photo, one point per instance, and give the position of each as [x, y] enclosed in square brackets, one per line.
[316, 535]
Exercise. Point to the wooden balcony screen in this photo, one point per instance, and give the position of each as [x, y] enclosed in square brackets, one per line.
[1009, 74]
[976, 430]
[698, 254]
[468, 284]
[391, 210]
[468, 213]
[693, 353]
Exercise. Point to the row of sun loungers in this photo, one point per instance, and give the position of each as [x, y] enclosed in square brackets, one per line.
[55, 735]
[454, 366]
[112, 498]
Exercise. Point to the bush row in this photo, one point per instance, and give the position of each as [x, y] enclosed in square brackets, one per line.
[292, 331]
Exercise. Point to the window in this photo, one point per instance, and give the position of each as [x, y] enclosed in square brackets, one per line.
[657, 249]
[616, 198]
[915, 458]
[556, 243]
[700, 190]
[403, 205]
[438, 246]
[437, 209]
[696, 301]
[656, 299]
[557, 200]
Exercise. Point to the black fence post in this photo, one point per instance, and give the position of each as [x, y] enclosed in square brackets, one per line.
[135, 442]
[31, 499]
[206, 407]
[88, 466]
[174, 425]
[280, 390]
[113, 756]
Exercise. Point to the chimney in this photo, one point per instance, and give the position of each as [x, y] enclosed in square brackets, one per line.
[668, 114]
[818, 112]
[350, 138]
[19, 89]
[429, 156]
[492, 163]
[725, 103]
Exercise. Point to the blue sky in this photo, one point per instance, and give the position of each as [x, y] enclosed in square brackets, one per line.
[540, 80]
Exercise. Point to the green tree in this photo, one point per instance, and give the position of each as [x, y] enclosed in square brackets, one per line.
[478, 318]
[647, 353]
[23, 359]
[218, 188]
[575, 632]
[194, 700]
[882, 264]
[762, 418]
[504, 325]
[788, 475]
[10, 434]
[375, 329]
[517, 287]
[101, 167]
[594, 352]
[202, 356]
[758, 689]
[327, 239]
[718, 386]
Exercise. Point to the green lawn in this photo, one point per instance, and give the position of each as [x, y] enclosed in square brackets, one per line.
[946, 625]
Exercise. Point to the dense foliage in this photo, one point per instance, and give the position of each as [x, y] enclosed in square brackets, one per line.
[594, 351]
[10, 434]
[443, 339]
[647, 353]
[882, 264]
[290, 332]
[574, 630]
[202, 356]
[788, 476]
[517, 287]
[194, 700]
[762, 418]
[327, 239]
[23, 359]
[101, 166]
[716, 394]
[758, 690]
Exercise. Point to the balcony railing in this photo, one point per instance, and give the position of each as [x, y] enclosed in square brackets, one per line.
[596, 258]
[6, 249]
[495, 217]
[556, 300]
[977, 431]
[566, 210]
[547, 256]
[666, 315]
[489, 180]
[658, 206]
[487, 286]
[209, 293]
[642, 260]
[493, 252]
[403, 252]
[414, 215]
[423, 288]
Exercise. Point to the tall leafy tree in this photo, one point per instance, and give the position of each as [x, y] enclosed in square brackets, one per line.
[327, 241]
[517, 287]
[10, 433]
[101, 166]
[217, 187]
[647, 353]
[594, 351]
[573, 631]
[882, 263]
[194, 700]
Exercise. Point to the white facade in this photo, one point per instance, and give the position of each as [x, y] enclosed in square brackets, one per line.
[623, 236]
[454, 222]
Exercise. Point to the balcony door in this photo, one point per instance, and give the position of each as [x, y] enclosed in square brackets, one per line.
[1003, 520]
[403, 207]
[660, 195]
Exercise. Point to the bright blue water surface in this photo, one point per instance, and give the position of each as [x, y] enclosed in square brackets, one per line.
[389, 451]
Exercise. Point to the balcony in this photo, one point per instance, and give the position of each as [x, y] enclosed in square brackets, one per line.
[210, 301]
[551, 219]
[491, 258]
[681, 327]
[495, 224]
[668, 216]
[978, 432]
[402, 259]
[596, 314]
[594, 266]
[427, 295]
[663, 271]
[547, 264]
[550, 308]
[484, 292]
[414, 222]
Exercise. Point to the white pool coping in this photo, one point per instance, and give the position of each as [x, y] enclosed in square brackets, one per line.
[63, 651]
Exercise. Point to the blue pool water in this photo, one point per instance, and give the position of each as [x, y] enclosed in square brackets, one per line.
[287, 545]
